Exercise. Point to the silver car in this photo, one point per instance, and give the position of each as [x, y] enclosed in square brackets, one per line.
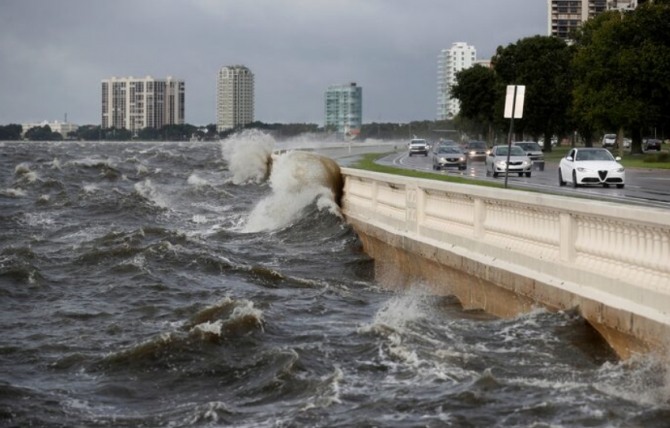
[519, 162]
[445, 156]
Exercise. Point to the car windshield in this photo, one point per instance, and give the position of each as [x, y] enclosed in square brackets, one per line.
[449, 149]
[531, 147]
[594, 155]
[515, 151]
[477, 145]
[418, 142]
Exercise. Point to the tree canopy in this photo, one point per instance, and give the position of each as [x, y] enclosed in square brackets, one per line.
[543, 65]
[476, 88]
[622, 64]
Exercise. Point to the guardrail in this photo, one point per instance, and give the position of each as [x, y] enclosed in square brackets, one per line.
[611, 261]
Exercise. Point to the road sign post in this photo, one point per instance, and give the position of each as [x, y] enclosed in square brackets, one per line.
[513, 109]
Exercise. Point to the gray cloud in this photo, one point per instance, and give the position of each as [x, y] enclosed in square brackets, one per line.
[55, 53]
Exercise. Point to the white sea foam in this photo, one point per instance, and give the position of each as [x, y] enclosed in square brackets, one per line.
[297, 180]
[245, 309]
[91, 162]
[248, 156]
[147, 190]
[641, 379]
[209, 327]
[199, 219]
[90, 188]
[196, 181]
[13, 193]
[402, 309]
[23, 170]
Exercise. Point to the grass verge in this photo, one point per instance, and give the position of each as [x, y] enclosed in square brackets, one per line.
[368, 163]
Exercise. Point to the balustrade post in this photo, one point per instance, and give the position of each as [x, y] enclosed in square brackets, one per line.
[567, 237]
[479, 219]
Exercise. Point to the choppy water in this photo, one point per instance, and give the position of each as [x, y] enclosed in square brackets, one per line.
[170, 285]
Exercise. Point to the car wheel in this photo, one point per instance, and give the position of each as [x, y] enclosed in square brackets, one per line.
[528, 174]
[619, 186]
[495, 174]
[461, 168]
[561, 182]
[521, 174]
[574, 180]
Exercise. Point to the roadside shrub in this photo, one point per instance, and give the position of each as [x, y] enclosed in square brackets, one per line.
[657, 157]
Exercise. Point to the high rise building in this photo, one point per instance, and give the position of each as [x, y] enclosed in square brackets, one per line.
[449, 62]
[344, 109]
[138, 103]
[567, 15]
[234, 97]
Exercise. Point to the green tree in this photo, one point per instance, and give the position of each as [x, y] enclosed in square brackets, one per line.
[543, 65]
[622, 69]
[476, 89]
[11, 132]
[149, 134]
[42, 133]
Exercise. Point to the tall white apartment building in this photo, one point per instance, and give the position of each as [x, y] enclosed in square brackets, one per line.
[567, 15]
[449, 62]
[234, 97]
[138, 103]
[344, 109]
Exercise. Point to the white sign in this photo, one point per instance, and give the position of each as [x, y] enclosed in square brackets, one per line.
[514, 101]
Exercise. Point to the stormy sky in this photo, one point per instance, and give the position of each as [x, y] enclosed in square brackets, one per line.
[54, 53]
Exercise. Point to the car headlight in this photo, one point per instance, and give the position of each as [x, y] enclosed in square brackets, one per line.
[443, 160]
[582, 169]
[461, 159]
[525, 163]
[620, 169]
[501, 164]
[472, 153]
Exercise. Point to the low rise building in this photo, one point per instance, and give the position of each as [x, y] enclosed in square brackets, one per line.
[63, 128]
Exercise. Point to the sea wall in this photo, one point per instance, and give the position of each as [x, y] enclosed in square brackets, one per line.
[508, 251]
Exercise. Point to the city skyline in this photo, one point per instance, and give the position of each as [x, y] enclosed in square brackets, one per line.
[55, 53]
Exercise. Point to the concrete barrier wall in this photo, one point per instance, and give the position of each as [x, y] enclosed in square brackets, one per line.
[610, 261]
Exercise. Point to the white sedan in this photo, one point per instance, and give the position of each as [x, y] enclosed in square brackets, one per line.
[591, 166]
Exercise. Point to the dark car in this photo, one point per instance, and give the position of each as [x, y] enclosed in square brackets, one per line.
[446, 155]
[651, 144]
[534, 152]
[476, 150]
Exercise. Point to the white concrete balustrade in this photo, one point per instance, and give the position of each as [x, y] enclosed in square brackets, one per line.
[615, 254]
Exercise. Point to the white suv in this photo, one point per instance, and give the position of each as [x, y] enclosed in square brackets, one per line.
[418, 146]
[609, 140]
